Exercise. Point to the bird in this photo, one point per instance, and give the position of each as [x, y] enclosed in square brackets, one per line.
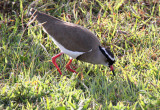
[74, 40]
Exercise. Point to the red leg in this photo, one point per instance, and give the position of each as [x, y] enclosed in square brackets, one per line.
[68, 66]
[54, 62]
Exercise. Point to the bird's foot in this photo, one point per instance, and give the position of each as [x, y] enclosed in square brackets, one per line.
[68, 66]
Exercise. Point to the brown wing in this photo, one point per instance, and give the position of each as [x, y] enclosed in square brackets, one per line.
[71, 36]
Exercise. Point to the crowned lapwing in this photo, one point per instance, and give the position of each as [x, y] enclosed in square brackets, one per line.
[74, 40]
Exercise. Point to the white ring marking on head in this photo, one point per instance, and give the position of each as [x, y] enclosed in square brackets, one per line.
[112, 58]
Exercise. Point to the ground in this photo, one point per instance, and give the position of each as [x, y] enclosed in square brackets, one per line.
[130, 28]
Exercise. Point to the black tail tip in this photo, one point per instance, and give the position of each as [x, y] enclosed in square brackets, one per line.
[32, 10]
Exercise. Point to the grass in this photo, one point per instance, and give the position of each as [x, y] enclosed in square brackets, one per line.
[28, 79]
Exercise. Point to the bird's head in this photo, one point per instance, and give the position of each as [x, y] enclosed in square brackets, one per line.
[110, 60]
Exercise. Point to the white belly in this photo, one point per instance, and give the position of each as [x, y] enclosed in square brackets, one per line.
[73, 54]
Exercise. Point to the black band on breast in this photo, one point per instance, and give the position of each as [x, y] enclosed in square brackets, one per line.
[78, 57]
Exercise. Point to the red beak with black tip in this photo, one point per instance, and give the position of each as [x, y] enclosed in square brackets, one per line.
[112, 69]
